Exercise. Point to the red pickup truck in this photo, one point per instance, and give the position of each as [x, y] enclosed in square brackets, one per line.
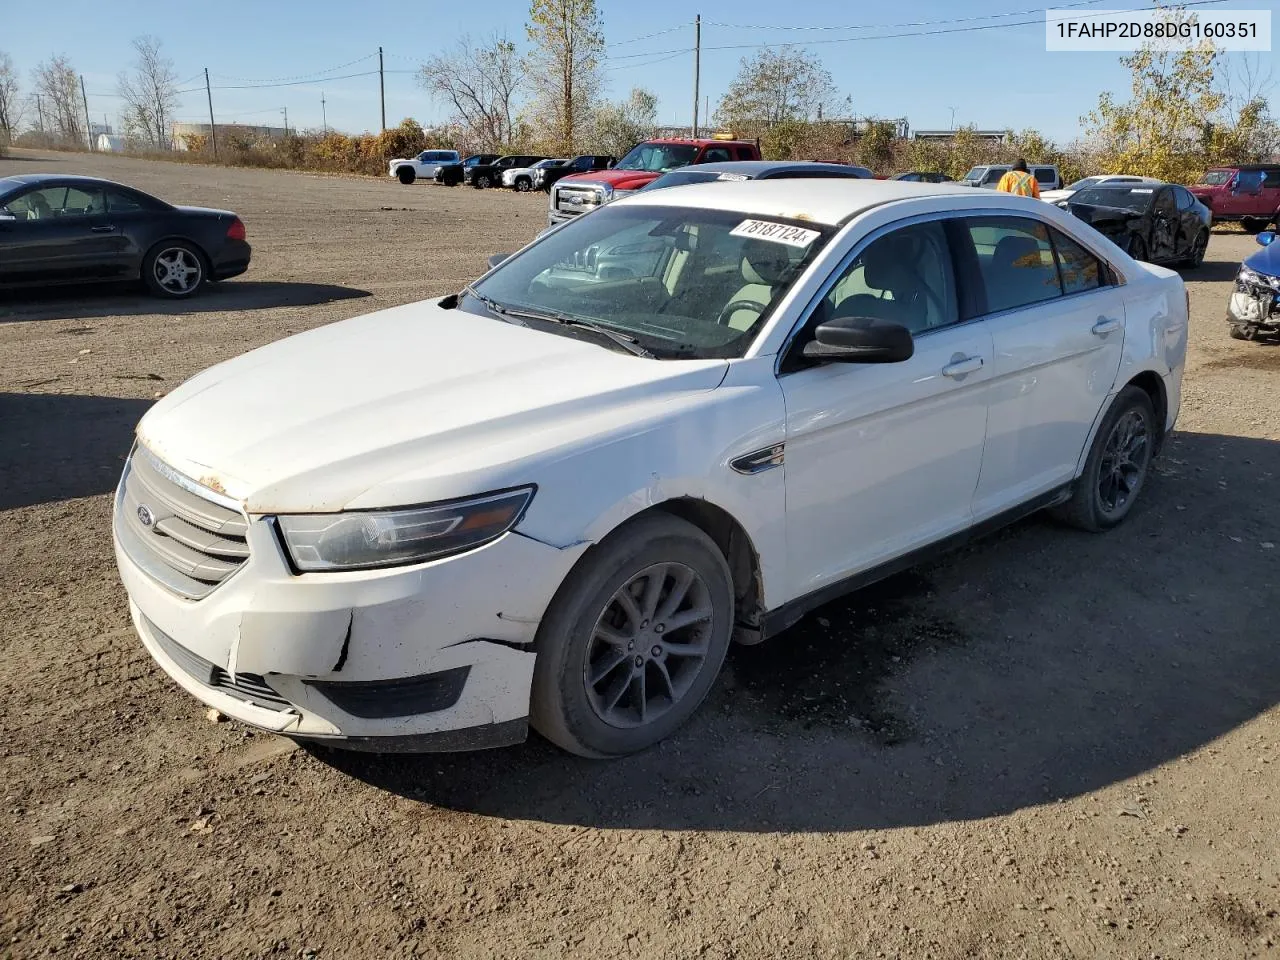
[1249, 193]
[643, 164]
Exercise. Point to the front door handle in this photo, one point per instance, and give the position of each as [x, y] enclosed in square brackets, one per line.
[1106, 325]
[104, 228]
[962, 366]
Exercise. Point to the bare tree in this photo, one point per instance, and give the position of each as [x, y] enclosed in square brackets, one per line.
[564, 68]
[150, 95]
[774, 87]
[11, 109]
[56, 84]
[479, 82]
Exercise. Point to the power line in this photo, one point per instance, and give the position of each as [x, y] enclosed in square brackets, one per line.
[295, 83]
[649, 63]
[297, 76]
[930, 33]
[655, 53]
[893, 26]
[650, 36]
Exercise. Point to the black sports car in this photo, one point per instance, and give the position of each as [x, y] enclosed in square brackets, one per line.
[1158, 223]
[922, 176]
[56, 229]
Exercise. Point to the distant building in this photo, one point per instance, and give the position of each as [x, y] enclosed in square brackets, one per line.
[224, 131]
[993, 136]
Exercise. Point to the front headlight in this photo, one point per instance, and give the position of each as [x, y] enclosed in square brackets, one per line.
[1257, 279]
[384, 538]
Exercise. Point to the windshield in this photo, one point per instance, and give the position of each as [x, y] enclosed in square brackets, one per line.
[975, 174]
[683, 282]
[1136, 199]
[658, 157]
[678, 178]
[1082, 184]
[1216, 178]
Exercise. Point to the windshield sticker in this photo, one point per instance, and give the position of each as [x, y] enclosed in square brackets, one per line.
[1141, 190]
[732, 176]
[775, 233]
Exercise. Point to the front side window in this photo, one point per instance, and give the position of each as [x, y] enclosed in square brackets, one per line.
[903, 277]
[658, 157]
[1080, 269]
[49, 203]
[1015, 260]
[1164, 203]
[682, 282]
[715, 155]
[993, 176]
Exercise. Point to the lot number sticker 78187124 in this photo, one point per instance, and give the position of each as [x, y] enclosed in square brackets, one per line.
[775, 232]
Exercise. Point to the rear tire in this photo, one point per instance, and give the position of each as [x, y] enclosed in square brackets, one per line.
[406, 175]
[1118, 464]
[1198, 248]
[1243, 331]
[174, 269]
[524, 185]
[625, 653]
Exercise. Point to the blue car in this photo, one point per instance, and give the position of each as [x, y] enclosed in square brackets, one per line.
[1254, 306]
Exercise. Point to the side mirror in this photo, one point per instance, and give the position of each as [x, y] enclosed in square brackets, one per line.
[1267, 237]
[498, 258]
[860, 340]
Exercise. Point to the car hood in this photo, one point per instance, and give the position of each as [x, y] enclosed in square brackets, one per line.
[1266, 260]
[618, 179]
[406, 405]
[1057, 196]
[1097, 214]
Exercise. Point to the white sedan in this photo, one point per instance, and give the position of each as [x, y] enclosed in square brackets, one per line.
[522, 178]
[1110, 179]
[558, 496]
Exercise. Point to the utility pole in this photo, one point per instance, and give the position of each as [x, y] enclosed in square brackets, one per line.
[382, 91]
[953, 117]
[213, 129]
[40, 112]
[88, 132]
[286, 120]
[324, 122]
[697, 67]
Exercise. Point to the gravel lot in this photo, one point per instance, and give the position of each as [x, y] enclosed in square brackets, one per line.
[1048, 745]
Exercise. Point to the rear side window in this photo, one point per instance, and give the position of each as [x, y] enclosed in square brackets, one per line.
[1046, 175]
[120, 202]
[1185, 200]
[715, 155]
[1015, 260]
[1080, 269]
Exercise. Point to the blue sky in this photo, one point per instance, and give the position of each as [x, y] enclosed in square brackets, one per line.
[992, 78]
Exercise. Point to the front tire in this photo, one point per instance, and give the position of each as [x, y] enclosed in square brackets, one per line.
[1244, 331]
[174, 269]
[482, 182]
[1198, 248]
[1137, 247]
[633, 640]
[1118, 465]
[406, 175]
[524, 185]
[1253, 224]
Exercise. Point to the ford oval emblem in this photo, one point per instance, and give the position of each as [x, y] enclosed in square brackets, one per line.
[145, 516]
[576, 201]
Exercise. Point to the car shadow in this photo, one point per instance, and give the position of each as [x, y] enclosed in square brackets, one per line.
[59, 446]
[124, 299]
[1212, 271]
[1038, 664]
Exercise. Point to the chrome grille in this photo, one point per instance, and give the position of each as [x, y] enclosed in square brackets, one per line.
[573, 199]
[245, 686]
[175, 529]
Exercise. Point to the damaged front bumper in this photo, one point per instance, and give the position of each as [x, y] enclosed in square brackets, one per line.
[436, 656]
[1254, 307]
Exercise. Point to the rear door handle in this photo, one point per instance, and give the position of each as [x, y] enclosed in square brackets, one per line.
[1106, 325]
[958, 368]
[104, 228]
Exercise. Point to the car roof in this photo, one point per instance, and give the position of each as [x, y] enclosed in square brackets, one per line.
[25, 179]
[825, 200]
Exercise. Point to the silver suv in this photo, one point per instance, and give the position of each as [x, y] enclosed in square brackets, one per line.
[1046, 174]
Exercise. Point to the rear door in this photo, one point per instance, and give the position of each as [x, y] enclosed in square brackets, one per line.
[59, 235]
[1057, 328]
[1271, 192]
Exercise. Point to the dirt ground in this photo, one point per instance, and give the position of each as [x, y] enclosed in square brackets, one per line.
[1048, 745]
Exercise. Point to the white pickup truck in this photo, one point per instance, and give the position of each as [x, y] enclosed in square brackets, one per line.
[423, 165]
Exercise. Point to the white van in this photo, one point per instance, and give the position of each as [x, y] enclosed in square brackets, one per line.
[1046, 174]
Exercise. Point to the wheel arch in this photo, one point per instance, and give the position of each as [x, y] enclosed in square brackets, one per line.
[1152, 384]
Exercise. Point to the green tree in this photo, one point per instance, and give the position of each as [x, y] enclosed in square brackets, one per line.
[564, 68]
[1161, 130]
[776, 86]
[617, 127]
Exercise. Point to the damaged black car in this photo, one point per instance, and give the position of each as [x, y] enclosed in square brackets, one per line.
[1158, 224]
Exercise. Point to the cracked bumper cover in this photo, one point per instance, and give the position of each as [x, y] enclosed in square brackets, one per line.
[470, 618]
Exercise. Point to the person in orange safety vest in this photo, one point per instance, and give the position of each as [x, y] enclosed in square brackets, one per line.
[1018, 181]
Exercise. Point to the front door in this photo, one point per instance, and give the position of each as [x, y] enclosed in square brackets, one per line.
[1162, 245]
[57, 236]
[1058, 330]
[883, 458]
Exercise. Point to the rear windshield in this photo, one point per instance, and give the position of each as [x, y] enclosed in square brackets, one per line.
[1082, 184]
[678, 178]
[1216, 178]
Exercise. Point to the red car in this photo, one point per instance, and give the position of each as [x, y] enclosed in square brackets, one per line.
[1248, 194]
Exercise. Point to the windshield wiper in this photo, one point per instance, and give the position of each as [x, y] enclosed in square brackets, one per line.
[493, 306]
